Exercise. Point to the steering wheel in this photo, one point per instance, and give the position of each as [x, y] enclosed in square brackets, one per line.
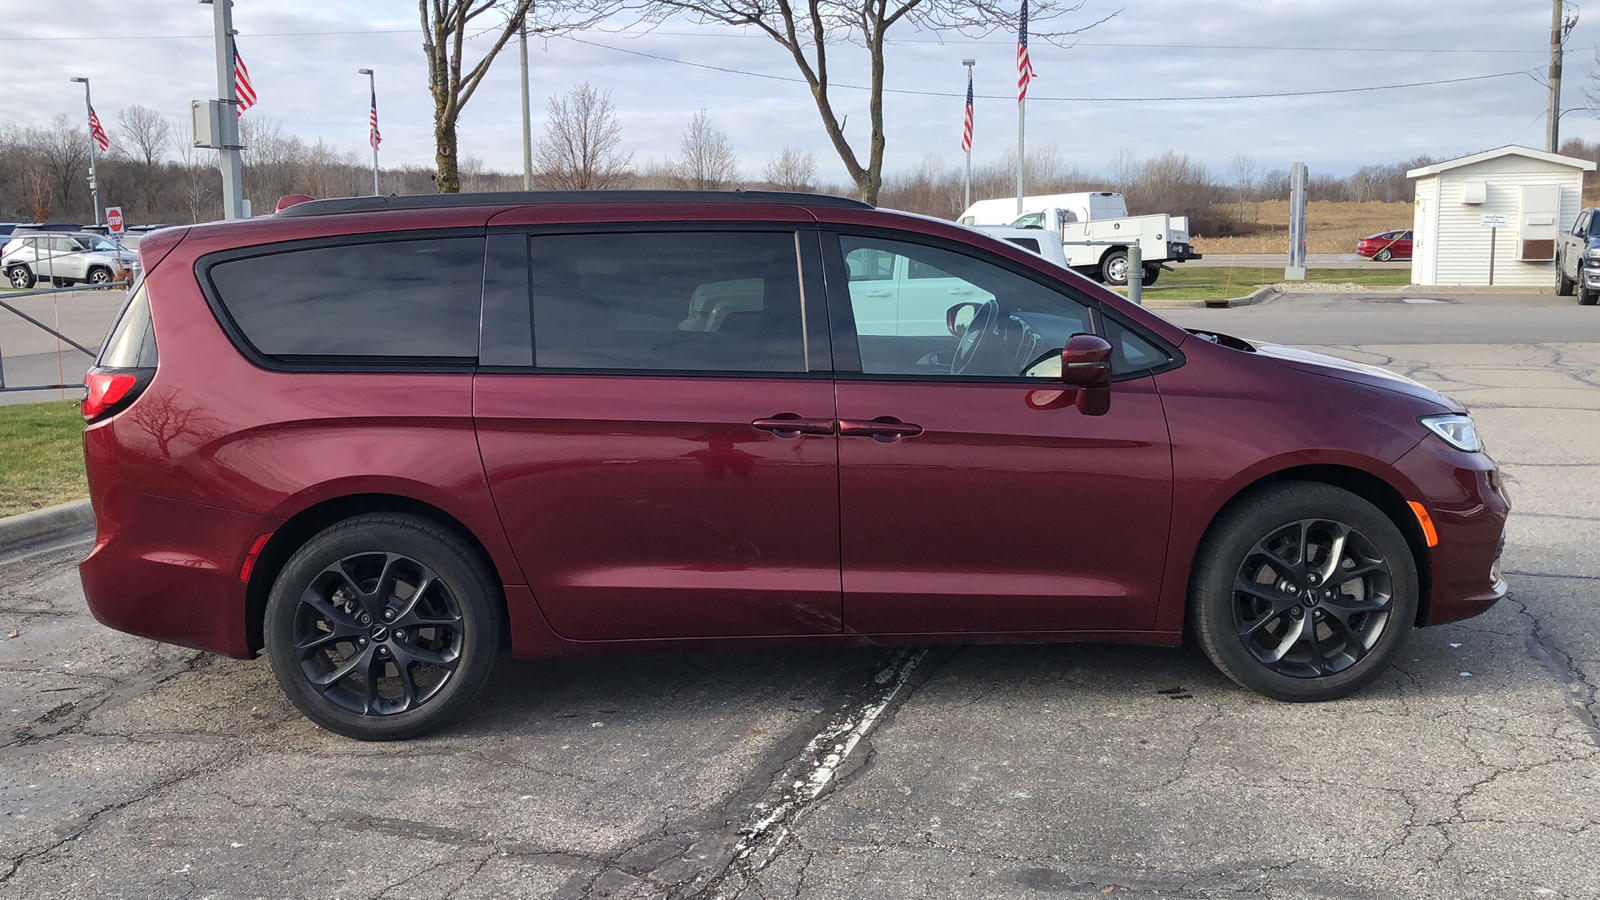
[983, 319]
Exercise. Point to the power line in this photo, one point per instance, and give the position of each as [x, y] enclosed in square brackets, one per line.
[725, 34]
[857, 87]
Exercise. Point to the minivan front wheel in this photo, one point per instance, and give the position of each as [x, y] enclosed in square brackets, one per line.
[382, 627]
[1304, 592]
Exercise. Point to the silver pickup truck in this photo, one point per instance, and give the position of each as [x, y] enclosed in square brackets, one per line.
[1578, 259]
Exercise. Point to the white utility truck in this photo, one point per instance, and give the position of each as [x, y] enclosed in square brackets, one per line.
[1094, 229]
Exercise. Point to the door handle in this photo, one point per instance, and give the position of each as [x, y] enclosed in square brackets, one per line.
[960, 290]
[792, 425]
[883, 428]
[877, 294]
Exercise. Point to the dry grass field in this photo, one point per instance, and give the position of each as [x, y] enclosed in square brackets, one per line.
[1331, 226]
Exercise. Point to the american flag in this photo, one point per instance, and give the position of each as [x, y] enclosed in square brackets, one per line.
[241, 83]
[966, 129]
[1024, 65]
[98, 132]
[375, 138]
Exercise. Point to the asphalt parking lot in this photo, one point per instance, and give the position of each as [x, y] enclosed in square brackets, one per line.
[132, 769]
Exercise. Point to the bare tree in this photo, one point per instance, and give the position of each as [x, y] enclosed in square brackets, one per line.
[1245, 170]
[64, 154]
[146, 134]
[200, 184]
[807, 30]
[705, 159]
[581, 149]
[791, 170]
[445, 28]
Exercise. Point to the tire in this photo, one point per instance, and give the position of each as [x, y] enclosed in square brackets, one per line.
[1354, 637]
[1151, 273]
[21, 277]
[314, 627]
[1564, 285]
[1587, 297]
[1114, 268]
[1384, 255]
[99, 275]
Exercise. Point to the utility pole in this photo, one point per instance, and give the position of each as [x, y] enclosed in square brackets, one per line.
[94, 174]
[968, 128]
[372, 129]
[527, 119]
[228, 157]
[1557, 34]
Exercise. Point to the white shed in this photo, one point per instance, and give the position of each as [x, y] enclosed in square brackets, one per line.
[1538, 195]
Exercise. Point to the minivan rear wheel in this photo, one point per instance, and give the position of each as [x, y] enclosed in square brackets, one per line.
[1304, 592]
[383, 627]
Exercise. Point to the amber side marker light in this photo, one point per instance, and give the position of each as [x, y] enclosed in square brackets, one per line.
[1426, 521]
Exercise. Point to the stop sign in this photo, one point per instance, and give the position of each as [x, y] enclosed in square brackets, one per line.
[114, 219]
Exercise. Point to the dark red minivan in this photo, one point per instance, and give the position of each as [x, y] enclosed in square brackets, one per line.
[388, 439]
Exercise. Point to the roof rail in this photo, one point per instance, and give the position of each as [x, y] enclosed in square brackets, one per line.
[530, 198]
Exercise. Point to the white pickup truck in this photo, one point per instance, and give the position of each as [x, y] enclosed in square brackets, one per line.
[1094, 229]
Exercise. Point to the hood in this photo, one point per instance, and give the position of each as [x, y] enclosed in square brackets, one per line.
[1360, 373]
[1334, 367]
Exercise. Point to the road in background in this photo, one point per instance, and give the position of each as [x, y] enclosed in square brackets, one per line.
[32, 355]
[1468, 771]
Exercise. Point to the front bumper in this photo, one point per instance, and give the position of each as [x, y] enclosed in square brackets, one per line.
[1589, 276]
[1463, 496]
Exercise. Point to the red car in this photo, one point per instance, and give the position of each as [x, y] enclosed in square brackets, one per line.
[1386, 245]
[388, 439]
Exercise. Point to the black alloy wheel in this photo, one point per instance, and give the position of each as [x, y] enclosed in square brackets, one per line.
[1312, 598]
[382, 627]
[1303, 592]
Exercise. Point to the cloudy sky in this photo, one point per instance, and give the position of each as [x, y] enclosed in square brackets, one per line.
[303, 56]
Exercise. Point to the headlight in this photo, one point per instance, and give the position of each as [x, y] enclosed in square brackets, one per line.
[1456, 430]
[1592, 253]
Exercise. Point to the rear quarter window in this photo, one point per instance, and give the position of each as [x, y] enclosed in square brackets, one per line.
[398, 299]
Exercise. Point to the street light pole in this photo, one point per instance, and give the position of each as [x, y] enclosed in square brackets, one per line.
[372, 129]
[94, 173]
[527, 119]
[228, 157]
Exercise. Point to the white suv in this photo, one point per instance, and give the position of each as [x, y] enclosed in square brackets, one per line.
[65, 259]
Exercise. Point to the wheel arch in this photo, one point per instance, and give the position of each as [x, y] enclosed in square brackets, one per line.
[303, 525]
[1370, 487]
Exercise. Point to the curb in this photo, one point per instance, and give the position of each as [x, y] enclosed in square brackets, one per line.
[54, 521]
[1259, 295]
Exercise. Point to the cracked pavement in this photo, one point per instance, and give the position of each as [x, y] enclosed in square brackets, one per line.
[133, 769]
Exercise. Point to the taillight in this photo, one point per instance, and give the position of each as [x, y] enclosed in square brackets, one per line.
[106, 391]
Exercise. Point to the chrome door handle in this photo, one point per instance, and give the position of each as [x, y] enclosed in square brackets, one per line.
[883, 428]
[792, 425]
[877, 294]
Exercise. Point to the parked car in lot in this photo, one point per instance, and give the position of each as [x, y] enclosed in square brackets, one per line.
[65, 258]
[386, 439]
[1578, 259]
[1386, 245]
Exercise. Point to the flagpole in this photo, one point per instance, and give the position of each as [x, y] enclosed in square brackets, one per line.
[372, 129]
[967, 180]
[94, 172]
[1024, 75]
[1022, 118]
[228, 158]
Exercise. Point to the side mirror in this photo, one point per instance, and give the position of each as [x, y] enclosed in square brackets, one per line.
[959, 318]
[1086, 365]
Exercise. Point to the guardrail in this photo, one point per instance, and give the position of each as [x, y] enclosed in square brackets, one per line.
[50, 329]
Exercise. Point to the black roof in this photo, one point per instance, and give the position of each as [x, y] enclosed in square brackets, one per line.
[531, 198]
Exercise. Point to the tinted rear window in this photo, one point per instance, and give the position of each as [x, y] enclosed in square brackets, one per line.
[674, 301]
[396, 299]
